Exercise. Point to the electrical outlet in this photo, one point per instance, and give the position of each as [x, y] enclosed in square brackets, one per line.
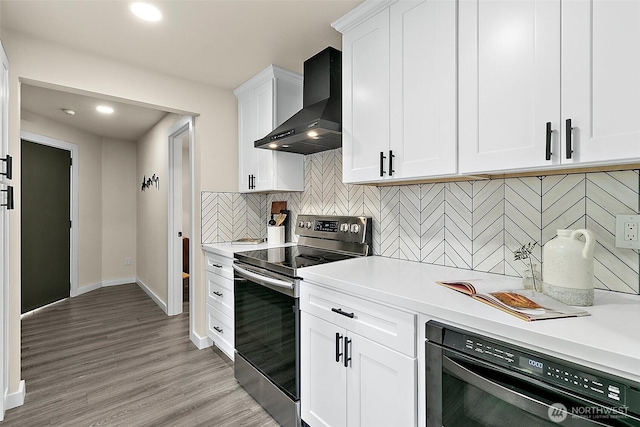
[627, 231]
[127, 260]
[630, 231]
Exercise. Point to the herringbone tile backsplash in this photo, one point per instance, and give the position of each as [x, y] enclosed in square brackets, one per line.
[474, 225]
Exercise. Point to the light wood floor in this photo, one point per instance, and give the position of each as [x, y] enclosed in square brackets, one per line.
[111, 357]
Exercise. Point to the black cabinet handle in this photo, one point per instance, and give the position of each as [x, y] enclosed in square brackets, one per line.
[217, 293]
[344, 313]
[391, 156]
[9, 168]
[549, 131]
[382, 157]
[9, 203]
[218, 329]
[338, 341]
[216, 265]
[568, 138]
[347, 358]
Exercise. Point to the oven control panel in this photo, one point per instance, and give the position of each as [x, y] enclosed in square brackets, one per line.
[543, 368]
[340, 228]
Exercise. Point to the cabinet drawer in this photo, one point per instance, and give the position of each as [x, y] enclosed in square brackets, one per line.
[388, 326]
[218, 264]
[220, 330]
[220, 293]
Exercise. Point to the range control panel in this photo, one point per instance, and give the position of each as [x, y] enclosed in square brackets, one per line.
[341, 228]
[599, 387]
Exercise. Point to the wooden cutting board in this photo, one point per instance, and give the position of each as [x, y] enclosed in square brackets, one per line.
[276, 207]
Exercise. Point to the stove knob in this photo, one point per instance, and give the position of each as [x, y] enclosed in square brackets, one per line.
[301, 224]
[355, 228]
[308, 224]
[344, 227]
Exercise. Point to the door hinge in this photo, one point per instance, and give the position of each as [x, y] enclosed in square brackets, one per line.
[70, 161]
[70, 224]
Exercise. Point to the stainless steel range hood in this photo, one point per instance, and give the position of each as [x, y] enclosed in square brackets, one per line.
[318, 126]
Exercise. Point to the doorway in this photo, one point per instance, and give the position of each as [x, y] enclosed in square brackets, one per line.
[180, 201]
[46, 225]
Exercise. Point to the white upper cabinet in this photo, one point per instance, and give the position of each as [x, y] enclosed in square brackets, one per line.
[265, 102]
[509, 84]
[601, 80]
[423, 88]
[399, 90]
[365, 99]
[547, 84]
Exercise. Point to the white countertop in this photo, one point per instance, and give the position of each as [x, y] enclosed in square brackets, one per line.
[608, 340]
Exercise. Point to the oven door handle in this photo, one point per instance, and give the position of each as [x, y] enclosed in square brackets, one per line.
[259, 278]
[520, 400]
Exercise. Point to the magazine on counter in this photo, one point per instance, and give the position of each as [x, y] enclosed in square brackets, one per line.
[525, 304]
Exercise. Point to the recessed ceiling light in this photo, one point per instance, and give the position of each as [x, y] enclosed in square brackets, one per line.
[68, 111]
[146, 11]
[104, 109]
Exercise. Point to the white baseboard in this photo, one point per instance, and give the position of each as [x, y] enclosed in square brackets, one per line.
[88, 288]
[153, 296]
[201, 342]
[117, 282]
[13, 400]
[93, 287]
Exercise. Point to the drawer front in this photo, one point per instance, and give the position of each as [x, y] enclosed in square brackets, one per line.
[385, 325]
[220, 330]
[220, 293]
[218, 264]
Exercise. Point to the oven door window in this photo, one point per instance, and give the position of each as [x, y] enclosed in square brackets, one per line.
[475, 395]
[265, 332]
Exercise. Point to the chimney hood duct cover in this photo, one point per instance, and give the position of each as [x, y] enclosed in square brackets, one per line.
[318, 126]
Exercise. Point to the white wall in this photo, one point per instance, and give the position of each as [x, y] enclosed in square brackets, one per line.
[216, 150]
[119, 190]
[153, 159]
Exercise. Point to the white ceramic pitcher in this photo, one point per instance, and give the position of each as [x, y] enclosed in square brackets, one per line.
[567, 267]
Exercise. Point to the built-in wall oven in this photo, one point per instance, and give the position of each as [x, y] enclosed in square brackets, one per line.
[472, 380]
[267, 313]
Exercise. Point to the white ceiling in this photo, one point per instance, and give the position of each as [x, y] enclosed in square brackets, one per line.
[218, 42]
[128, 122]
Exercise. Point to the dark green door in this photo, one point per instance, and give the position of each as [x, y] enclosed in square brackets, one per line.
[46, 240]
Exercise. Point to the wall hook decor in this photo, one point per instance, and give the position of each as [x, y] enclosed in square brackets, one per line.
[149, 182]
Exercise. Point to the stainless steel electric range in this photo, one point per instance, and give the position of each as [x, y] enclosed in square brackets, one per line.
[267, 312]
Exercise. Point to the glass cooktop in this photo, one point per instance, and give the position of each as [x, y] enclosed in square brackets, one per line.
[290, 258]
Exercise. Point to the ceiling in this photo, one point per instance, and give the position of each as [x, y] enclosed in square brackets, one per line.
[217, 42]
[128, 122]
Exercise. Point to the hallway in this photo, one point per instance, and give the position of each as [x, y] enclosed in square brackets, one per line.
[111, 357]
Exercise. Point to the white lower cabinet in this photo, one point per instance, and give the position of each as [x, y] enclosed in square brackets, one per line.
[347, 378]
[219, 285]
[323, 379]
